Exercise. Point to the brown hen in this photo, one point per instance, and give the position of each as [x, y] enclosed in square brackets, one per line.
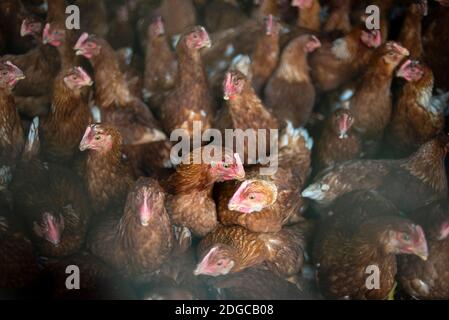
[429, 279]
[360, 239]
[140, 242]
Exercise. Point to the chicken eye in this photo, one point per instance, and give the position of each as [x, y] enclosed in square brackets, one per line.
[97, 137]
[405, 237]
[220, 262]
[4, 73]
[226, 165]
[251, 197]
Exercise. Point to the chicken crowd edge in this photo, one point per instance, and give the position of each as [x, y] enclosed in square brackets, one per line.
[358, 207]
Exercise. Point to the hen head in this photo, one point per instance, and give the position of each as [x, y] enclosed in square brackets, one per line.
[305, 43]
[76, 78]
[371, 38]
[100, 137]
[9, 75]
[444, 230]
[87, 46]
[156, 28]
[272, 25]
[219, 260]
[411, 71]
[229, 169]
[302, 4]
[420, 7]
[342, 122]
[253, 196]
[196, 39]
[393, 53]
[53, 35]
[146, 199]
[50, 228]
[311, 43]
[32, 27]
[407, 238]
[233, 84]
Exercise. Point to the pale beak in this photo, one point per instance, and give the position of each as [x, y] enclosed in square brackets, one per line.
[423, 254]
[84, 145]
[197, 271]
[23, 29]
[422, 251]
[311, 192]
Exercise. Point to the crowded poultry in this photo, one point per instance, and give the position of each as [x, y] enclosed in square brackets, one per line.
[118, 180]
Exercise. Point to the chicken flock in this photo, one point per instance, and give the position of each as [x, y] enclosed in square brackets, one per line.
[357, 208]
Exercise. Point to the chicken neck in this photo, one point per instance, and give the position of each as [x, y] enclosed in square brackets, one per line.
[247, 108]
[191, 178]
[9, 118]
[111, 88]
[191, 72]
[64, 101]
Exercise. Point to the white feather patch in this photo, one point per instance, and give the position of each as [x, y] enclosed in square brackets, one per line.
[340, 49]
[96, 114]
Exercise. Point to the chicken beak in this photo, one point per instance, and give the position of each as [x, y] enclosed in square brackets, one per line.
[145, 211]
[207, 43]
[198, 271]
[23, 29]
[84, 144]
[401, 50]
[240, 168]
[46, 34]
[444, 232]
[227, 86]
[79, 44]
[422, 250]
[201, 267]
[233, 202]
[312, 192]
